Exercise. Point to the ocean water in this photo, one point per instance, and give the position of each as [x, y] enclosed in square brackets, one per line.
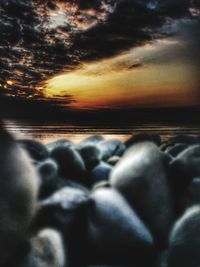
[49, 131]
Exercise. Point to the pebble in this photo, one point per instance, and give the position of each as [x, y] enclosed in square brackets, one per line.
[184, 241]
[35, 149]
[90, 154]
[19, 184]
[116, 234]
[109, 148]
[100, 173]
[70, 163]
[141, 176]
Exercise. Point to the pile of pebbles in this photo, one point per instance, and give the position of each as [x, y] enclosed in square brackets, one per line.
[100, 202]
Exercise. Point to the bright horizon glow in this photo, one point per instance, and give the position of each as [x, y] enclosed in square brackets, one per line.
[145, 76]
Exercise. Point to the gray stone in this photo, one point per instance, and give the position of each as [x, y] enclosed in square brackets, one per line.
[141, 177]
[116, 235]
[184, 241]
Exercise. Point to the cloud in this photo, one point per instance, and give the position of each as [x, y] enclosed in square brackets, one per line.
[42, 38]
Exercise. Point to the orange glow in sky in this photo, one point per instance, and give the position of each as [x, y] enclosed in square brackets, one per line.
[144, 76]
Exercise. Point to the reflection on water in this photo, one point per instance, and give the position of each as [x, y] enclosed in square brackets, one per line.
[48, 131]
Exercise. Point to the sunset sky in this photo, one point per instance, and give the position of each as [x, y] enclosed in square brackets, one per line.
[100, 54]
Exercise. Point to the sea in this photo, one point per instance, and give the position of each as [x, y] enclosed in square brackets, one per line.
[49, 131]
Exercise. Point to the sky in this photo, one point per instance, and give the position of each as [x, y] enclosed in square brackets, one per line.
[100, 54]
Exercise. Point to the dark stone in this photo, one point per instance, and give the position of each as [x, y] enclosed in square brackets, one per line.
[176, 149]
[191, 196]
[143, 137]
[35, 149]
[70, 163]
[48, 172]
[66, 210]
[183, 169]
[184, 241]
[59, 143]
[141, 176]
[100, 173]
[183, 139]
[90, 154]
[111, 148]
[116, 235]
[187, 164]
[18, 196]
[94, 139]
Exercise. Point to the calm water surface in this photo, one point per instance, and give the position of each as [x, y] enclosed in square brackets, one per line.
[49, 131]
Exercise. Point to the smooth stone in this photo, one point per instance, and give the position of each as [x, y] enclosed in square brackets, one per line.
[59, 143]
[109, 148]
[48, 172]
[63, 209]
[141, 176]
[143, 137]
[175, 150]
[56, 184]
[100, 173]
[191, 196]
[47, 249]
[113, 160]
[70, 163]
[90, 154]
[35, 149]
[18, 195]
[187, 163]
[184, 241]
[184, 139]
[66, 210]
[183, 169]
[116, 235]
[94, 139]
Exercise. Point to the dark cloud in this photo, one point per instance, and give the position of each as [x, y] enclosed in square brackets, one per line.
[41, 38]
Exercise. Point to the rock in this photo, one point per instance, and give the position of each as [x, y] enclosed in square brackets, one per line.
[70, 163]
[141, 177]
[94, 139]
[90, 154]
[48, 172]
[59, 143]
[184, 139]
[35, 149]
[176, 149]
[191, 196]
[18, 196]
[56, 184]
[116, 235]
[100, 173]
[183, 169]
[143, 137]
[60, 209]
[47, 249]
[111, 148]
[113, 160]
[187, 164]
[66, 210]
[184, 241]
